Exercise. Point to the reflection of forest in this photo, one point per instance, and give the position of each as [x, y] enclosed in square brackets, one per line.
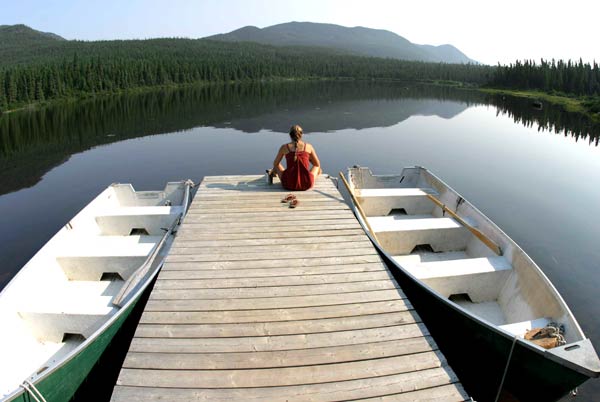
[549, 118]
[31, 143]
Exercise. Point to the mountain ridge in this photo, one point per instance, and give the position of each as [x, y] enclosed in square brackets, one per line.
[357, 41]
[26, 33]
[353, 40]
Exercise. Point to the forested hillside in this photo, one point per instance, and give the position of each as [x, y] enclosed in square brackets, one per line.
[37, 66]
[568, 77]
[73, 68]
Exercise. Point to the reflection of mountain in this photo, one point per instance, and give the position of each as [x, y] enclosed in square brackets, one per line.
[31, 143]
[331, 115]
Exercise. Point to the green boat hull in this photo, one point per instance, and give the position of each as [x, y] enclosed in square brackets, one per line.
[479, 354]
[61, 384]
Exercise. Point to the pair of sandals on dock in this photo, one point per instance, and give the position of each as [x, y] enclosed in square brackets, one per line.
[291, 200]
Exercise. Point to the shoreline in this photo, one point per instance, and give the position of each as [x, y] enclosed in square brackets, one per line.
[84, 96]
[570, 104]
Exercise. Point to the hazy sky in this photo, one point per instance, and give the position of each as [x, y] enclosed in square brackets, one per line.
[487, 31]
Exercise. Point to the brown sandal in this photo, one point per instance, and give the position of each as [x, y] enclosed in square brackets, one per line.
[288, 198]
[294, 203]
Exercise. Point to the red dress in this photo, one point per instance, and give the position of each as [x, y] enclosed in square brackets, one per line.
[297, 175]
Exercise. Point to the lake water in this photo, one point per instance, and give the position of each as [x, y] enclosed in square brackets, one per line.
[536, 173]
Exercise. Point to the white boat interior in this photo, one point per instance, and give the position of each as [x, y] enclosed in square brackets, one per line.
[66, 293]
[506, 289]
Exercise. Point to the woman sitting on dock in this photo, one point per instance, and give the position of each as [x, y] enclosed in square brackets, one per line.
[298, 176]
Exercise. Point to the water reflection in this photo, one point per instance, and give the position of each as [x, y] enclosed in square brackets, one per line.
[33, 142]
[547, 119]
[520, 179]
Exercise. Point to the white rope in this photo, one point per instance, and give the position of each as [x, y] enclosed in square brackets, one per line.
[555, 330]
[506, 368]
[36, 390]
[26, 386]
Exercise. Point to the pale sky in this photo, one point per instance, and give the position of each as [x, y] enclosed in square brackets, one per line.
[503, 30]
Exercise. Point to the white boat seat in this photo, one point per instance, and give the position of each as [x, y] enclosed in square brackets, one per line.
[400, 234]
[120, 221]
[416, 258]
[383, 201]
[480, 278]
[520, 328]
[75, 307]
[88, 259]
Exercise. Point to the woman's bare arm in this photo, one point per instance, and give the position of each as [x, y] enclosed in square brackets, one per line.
[314, 159]
[279, 156]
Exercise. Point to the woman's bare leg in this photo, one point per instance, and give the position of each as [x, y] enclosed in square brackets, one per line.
[278, 170]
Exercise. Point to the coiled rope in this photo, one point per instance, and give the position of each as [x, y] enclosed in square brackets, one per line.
[555, 330]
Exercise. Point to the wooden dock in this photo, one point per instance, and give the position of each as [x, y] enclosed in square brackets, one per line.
[261, 301]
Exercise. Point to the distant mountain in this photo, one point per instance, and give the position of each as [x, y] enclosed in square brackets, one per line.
[357, 41]
[22, 35]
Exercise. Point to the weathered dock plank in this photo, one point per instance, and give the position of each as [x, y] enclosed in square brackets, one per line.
[275, 315]
[257, 301]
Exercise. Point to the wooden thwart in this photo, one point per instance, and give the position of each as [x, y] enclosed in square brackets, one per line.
[257, 301]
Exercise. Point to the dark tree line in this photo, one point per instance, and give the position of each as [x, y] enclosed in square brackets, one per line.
[79, 68]
[63, 69]
[569, 77]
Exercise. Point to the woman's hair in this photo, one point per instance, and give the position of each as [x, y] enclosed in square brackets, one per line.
[296, 133]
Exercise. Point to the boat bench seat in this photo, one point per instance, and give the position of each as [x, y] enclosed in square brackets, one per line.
[87, 260]
[481, 278]
[400, 234]
[382, 201]
[120, 221]
[76, 307]
[520, 328]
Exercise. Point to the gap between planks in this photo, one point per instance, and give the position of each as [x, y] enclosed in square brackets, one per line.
[260, 303]
[276, 328]
[273, 291]
[282, 376]
[288, 358]
[275, 315]
[410, 384]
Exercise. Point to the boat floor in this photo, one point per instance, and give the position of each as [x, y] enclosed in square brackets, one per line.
[65, 304]
[36, 355]
[490, 310]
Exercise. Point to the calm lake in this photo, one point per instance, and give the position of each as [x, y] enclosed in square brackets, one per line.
[535, 173]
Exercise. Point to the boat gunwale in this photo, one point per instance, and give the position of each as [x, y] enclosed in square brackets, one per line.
[496, 328]
[37, 378]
